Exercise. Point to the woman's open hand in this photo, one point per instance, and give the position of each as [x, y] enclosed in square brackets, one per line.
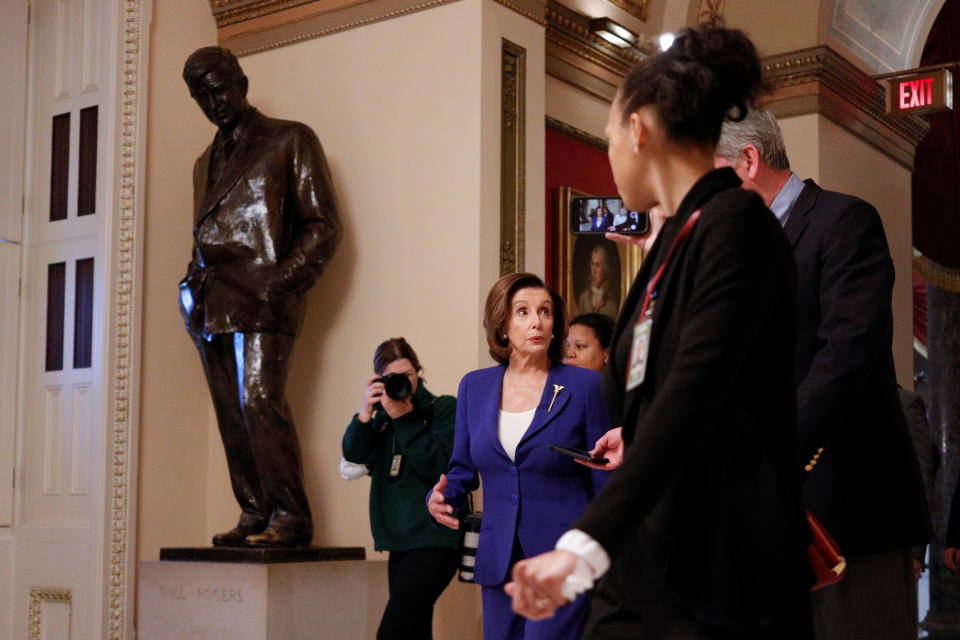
[438, 507]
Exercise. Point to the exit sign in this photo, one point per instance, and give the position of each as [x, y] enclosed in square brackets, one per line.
[920, 93]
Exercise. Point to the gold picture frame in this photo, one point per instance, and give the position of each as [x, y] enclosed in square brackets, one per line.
[572, 261]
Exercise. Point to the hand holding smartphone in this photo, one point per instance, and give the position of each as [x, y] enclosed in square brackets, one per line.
[579, 454]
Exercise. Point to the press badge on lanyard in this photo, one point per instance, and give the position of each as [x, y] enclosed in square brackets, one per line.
[640, 347]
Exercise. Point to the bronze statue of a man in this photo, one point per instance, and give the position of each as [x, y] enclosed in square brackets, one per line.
[265, 226]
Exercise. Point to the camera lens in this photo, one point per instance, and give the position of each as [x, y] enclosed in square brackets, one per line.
[397, 386]
[470, 525]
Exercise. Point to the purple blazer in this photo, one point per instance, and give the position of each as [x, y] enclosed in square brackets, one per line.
[537, 496]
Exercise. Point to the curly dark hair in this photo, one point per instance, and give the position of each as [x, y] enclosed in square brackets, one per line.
[601, 325]
[709, 74]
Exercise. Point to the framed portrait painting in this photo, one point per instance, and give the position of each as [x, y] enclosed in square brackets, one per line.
[592, 273]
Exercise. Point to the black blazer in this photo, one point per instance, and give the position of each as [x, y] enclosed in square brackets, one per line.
[710, 465]
[866, 489]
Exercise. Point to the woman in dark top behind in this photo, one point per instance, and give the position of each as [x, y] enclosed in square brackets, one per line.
[700, 533]
[588, 341]
[406, 444]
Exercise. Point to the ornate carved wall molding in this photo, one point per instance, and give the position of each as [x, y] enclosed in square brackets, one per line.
[710, 8]
[39, 595]
[636, 8]
[513, 157]
[577, 134]
[251, 26]
[819, 80]
[577, 56]
[127, 243]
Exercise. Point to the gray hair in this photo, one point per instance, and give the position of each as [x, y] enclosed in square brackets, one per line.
[760, 129]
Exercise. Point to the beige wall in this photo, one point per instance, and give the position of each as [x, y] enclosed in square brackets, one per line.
[174, 409]
[575, 107]
[775, 27]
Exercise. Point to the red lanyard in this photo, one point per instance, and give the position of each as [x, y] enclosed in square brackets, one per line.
[652, 286]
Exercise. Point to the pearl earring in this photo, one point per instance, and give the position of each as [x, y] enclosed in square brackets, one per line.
[636, 148]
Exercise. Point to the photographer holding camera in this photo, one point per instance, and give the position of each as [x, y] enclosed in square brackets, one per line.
[404, 434]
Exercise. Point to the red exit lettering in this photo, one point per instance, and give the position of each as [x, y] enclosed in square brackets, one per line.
[916, 93]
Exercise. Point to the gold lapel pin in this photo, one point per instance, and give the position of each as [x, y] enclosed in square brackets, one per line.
[557, 388]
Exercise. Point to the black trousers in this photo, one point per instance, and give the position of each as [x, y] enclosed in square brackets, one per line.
[417, 578]
[247, 374]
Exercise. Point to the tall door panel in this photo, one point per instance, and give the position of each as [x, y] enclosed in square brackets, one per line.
[59, 515]
[13, 51]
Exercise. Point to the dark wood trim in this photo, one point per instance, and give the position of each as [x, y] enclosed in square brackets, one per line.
[513, 157]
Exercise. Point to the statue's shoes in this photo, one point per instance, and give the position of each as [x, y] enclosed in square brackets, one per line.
[237, 536]
[278, 536]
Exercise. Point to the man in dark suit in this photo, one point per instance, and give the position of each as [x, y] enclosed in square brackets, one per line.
[265, 226]
[865, 486]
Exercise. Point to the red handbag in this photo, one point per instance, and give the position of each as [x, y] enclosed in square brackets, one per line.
[826, 561]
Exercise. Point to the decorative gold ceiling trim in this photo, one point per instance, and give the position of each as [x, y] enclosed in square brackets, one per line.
[820, 80]
[636, 8]
[232, 11]
[532, 9]
[942, 277]
[577, 134]
[578, 57]
[251, 26]
[571, 25]
[513, 156]
[710, 9]
[313, 19]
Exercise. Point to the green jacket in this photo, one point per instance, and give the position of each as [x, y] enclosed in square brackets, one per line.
[398, 511]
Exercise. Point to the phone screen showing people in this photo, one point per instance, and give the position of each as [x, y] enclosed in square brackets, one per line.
[589, 214]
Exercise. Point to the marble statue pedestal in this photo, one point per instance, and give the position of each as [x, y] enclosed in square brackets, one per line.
[253, 594]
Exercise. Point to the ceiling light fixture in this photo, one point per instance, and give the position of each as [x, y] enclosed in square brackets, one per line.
[614, 33]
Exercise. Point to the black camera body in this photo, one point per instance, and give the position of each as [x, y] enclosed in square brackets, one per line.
[397, 386]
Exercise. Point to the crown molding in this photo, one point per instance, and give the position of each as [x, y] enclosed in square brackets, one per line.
[251, 26]
[577, 134]
[577, 56]
[820, 80]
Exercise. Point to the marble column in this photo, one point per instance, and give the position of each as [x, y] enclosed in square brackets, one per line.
[942, 395]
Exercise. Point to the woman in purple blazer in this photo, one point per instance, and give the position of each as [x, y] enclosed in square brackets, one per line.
[506, 417]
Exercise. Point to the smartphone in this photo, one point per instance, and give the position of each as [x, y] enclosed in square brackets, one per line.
[600, 214]
[579, 454]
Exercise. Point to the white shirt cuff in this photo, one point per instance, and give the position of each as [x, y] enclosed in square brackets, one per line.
[592, 562]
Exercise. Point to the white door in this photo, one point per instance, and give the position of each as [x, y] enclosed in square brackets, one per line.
[58, 540]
